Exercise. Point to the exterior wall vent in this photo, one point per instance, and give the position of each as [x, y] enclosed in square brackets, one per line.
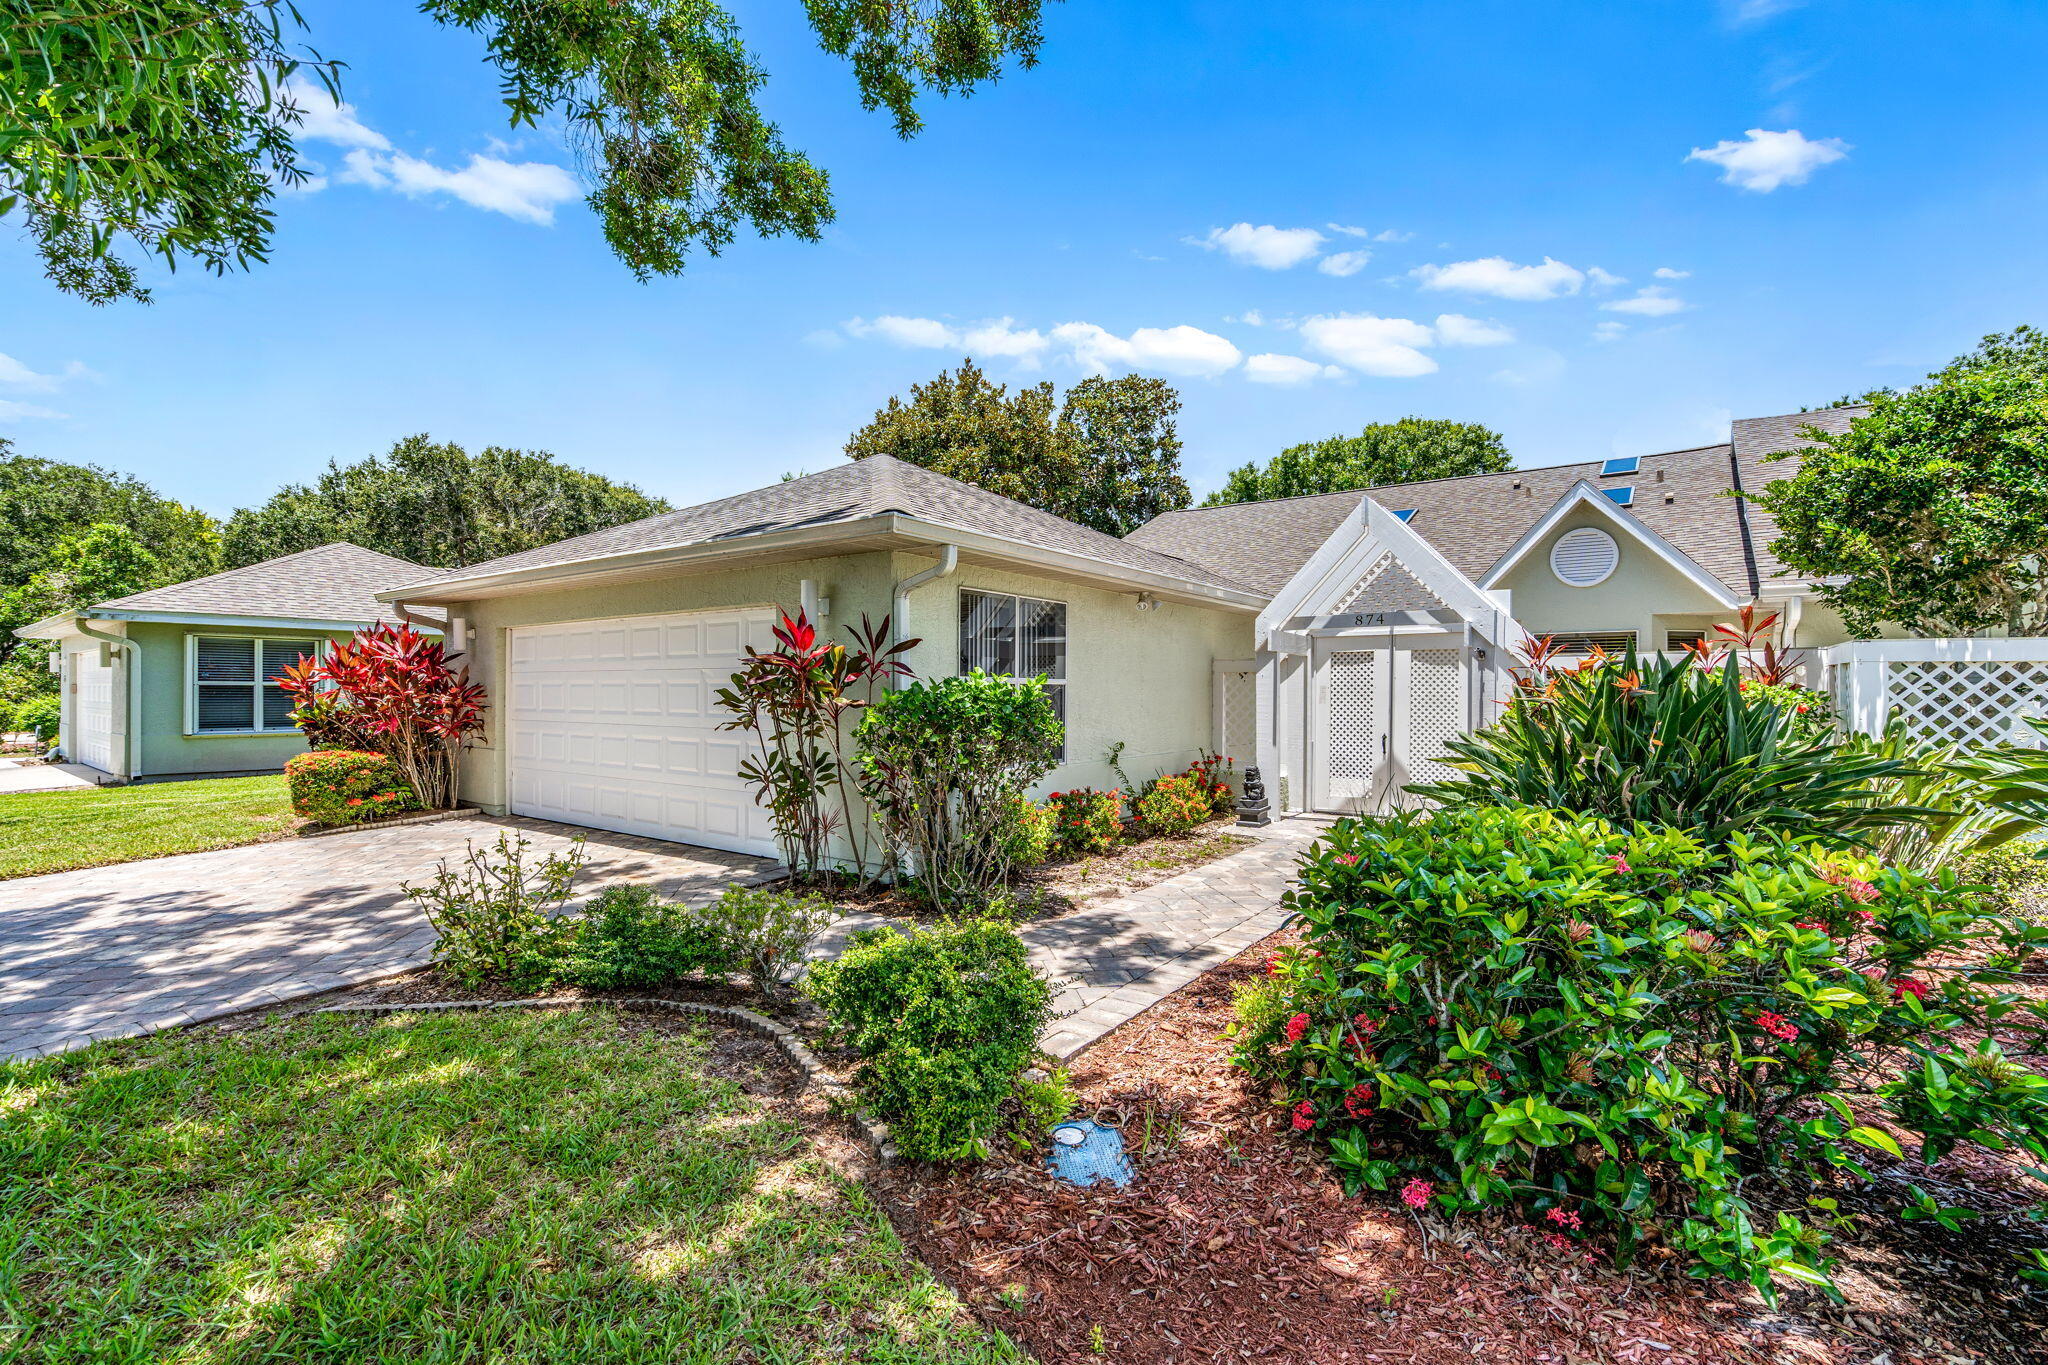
[1584, 557]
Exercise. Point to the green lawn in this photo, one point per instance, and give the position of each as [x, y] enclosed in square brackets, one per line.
[52, 831]
[495, 1187]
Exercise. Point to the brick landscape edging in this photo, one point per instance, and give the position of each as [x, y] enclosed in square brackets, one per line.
[836, 1090]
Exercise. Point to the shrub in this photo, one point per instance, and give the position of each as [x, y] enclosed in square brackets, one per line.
[947, 756]
[1175, 804]
[1029, 832]
[394, 684]
[794, 700]
[1212, 772]
[1089, 821]
[630, 938]
[495, 913]
[1636, 1031]
[1810, 715]
[945, 1019]
[41, 716]
[765, 932]
[347, 786]
[2013, 876]
[1666, 743]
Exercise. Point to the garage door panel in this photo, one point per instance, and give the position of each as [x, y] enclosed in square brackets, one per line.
[615, 725]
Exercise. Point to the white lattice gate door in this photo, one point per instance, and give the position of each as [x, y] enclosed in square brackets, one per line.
[1379, 720]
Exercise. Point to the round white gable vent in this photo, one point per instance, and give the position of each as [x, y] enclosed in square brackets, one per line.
[1584, 557]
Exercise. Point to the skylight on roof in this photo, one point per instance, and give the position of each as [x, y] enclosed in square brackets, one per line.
[1620, 497]
[1621, 464]
[1404, 513]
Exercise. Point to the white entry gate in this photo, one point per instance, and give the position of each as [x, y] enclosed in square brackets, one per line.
[1381, 710]
[91, 741]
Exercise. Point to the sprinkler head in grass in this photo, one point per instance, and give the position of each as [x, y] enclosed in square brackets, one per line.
[1085, 1152]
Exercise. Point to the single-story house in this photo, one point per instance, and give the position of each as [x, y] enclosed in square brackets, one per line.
[178, 681]
[1334, 641]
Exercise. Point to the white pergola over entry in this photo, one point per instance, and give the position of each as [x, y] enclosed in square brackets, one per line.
[1370, 657]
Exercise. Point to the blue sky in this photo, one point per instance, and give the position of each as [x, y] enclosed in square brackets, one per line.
[1308, 216]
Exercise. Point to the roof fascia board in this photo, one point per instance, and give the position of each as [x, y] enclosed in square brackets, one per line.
[886, 523]
[1584, 494]
[201, 618]
[572, 571]
[1101, 569]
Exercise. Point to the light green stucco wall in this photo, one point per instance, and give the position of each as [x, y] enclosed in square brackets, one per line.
[1142, 677]
[167, 751]
[854, 583]
[1643, 594]
[1139, 677]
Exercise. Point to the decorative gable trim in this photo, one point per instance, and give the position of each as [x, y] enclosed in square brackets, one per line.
[1367, 545]
[1584, 494]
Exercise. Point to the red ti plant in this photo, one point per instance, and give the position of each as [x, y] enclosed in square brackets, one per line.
[795, 700]
[391, 686]
[1762, 660]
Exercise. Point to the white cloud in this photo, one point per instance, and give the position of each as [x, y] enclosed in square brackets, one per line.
[1386, 347]
[1756, 11]
[1344, 263]
[1269, 247]
[1653, 301]
[17, 376]
[1345, 230]
[1604, 279]
[526, 190]
[323, 120]
[1665, 272]
[902, 331]
[1168, 350]
[1609, 330]
[1001, 337]
[1767, 160]
[1502, 278]
[1250, 317]
[1393, 235]
[11, 411]
[1455, 329]
[1292, 370]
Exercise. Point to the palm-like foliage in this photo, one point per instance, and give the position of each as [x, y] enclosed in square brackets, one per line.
[1670, 743]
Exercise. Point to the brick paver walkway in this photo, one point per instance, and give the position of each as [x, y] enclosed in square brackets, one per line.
[1115, 958]
[109, 952]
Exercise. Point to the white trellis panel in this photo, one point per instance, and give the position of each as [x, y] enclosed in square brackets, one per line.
[1357, 730]
[1236, 728]
[1967, 692]
[1436, 710]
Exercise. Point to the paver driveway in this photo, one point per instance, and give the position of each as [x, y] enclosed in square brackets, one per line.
[108, 952]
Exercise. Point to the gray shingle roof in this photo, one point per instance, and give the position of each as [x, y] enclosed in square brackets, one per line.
[1756, 438]
[336, 582]
[1474, 520]
[852, 492]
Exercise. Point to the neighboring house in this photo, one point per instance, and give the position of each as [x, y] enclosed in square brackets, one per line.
[178, 681]
[1335, 640]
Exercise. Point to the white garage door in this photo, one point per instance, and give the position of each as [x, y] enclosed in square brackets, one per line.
[614, 724]
[92, 711]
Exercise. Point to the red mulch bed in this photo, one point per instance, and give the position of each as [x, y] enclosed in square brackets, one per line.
[1236, 1244]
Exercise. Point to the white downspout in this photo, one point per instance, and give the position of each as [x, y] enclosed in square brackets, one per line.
[949, 560]
[131, 720]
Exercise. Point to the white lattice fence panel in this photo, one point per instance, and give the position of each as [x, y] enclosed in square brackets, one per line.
[1237, 728]
[1967, 701]
[1436, 710]
[1355, 724]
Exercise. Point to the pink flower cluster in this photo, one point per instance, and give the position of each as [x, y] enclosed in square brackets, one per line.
[1348, 859]
[1565, 1218]
[1777, 1025]
[1906, 985]
[1304, 1117]
[1358, 1100]
[1415, 1194]
[1297, 1026]
[1620, 863]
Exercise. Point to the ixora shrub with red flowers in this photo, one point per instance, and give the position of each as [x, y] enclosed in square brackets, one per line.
[347, 786]
[390, 688]
[1087, 820]
[1175, 804]
[1635, 1037]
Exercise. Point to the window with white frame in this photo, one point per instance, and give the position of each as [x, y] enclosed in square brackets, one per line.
[1016, 637]
[232, 681]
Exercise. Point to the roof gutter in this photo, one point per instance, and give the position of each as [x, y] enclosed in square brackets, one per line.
[899, 612]
[131, 729]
